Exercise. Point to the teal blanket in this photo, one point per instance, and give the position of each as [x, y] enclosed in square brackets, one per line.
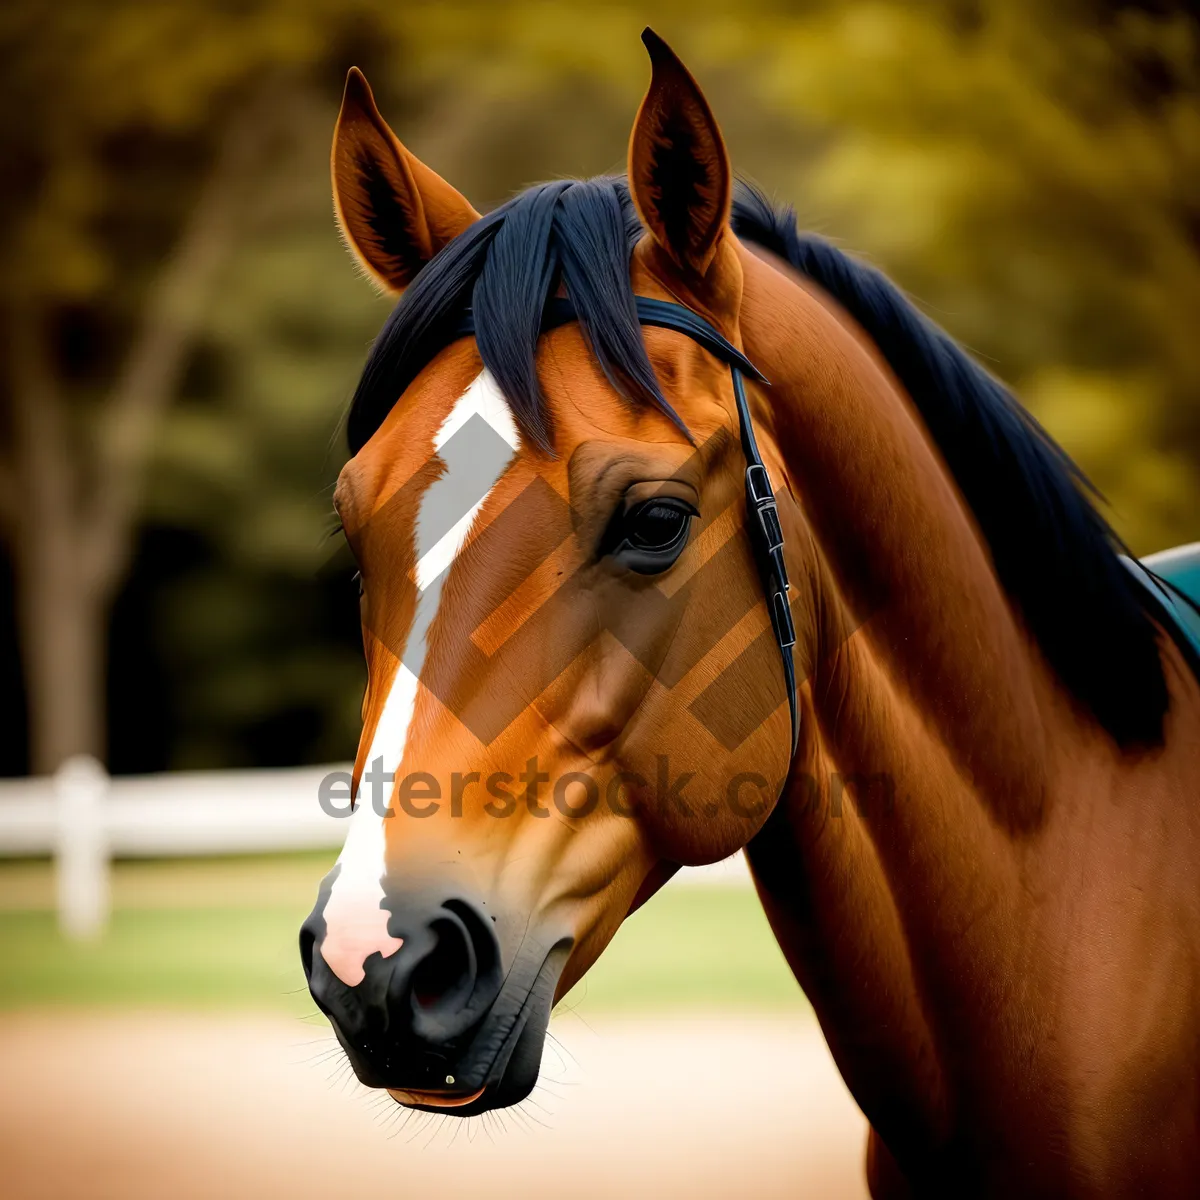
[1172, 577]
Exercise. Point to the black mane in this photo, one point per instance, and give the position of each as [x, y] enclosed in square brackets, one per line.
[1054, 553]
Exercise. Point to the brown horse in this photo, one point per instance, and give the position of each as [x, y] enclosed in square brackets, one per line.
[575, 678]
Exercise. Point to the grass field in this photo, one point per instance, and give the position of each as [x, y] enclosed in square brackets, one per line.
[222, 933]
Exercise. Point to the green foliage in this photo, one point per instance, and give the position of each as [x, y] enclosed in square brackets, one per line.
[112, 109]
[1030, 173]
[248, 457]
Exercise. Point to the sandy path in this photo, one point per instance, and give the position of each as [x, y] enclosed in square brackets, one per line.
[174, 1106]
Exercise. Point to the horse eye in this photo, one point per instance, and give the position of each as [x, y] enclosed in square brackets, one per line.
[656, 525]
[651, 535]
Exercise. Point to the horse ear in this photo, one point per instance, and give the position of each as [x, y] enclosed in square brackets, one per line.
[394, 212]
[679, 171]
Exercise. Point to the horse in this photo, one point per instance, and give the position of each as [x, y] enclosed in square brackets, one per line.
[682, 533]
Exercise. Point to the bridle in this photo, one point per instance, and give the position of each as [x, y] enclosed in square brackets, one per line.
[762, 515]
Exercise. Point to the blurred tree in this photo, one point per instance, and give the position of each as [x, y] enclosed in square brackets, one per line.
[260, 628]
[137, 140]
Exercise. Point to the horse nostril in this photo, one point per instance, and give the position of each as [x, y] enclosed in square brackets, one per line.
[483, 937]
[461, 968]
[445, 977]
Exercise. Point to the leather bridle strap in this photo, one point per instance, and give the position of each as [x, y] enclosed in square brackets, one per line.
[766, 536]
[762, 515]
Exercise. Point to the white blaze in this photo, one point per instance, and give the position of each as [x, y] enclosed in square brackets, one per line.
[355, 922]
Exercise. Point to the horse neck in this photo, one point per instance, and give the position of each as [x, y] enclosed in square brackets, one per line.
[919, 678]
[896, 557]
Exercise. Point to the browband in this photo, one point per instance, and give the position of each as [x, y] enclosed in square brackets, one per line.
[762, 523]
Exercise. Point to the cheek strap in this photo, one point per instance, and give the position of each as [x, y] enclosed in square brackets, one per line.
[762, 513]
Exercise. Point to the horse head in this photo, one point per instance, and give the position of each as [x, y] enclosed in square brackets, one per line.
[573, 680]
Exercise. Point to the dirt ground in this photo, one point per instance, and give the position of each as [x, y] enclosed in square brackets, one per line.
[175, 1106]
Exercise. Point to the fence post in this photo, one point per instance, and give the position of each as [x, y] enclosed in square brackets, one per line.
[81, 859]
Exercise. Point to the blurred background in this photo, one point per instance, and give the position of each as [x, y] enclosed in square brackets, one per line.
[181, 330]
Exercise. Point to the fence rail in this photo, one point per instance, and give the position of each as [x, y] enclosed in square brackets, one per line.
[84, 818]
[186, 813]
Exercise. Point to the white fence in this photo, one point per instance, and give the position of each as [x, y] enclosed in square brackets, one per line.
[83, 818]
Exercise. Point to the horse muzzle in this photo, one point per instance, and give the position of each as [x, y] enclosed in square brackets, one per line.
[444, 1023]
